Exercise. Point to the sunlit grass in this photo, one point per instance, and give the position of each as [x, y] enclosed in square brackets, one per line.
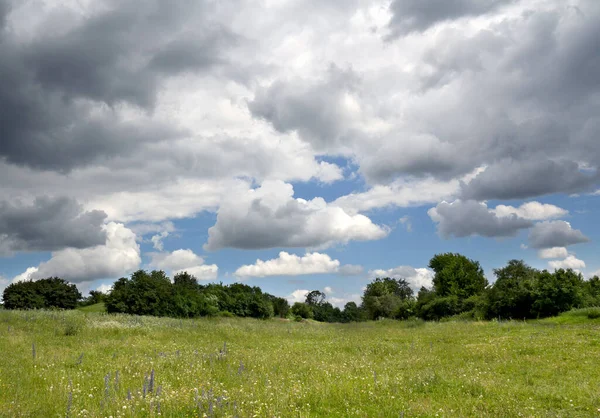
[97, 307]
[243, 367]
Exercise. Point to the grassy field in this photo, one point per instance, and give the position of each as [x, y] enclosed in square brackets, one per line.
[57, 364]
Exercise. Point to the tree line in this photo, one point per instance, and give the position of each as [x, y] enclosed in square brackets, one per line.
[459, 289]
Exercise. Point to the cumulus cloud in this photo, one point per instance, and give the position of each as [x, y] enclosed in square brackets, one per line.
[143, 228]
[521, 179]
[551, 234]
[183, 108]
[319, 111]
[293, 265]
[205, 272]
[416, 277]
[554, 252]
[157, 240]
[184, 260]
[534, 211]
[49, 224]
[468, 218]
[104, 288]
[119, 256]
[402, 193]
[175, 260]
[571, 262]
[270, 216]
[26, 275]
[54, 93]
[4, 282]
[432, 116]
[298, 295]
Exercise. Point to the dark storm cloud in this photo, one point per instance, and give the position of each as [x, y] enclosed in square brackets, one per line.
[555, 234]
[521, 179]
[4, 10]
[419, 15]
[468, 218]
[525, 109]
[312, 109]
[61, 90]
[49, 224]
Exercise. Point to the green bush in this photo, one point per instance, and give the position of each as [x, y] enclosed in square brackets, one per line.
[593, 314]
[438, 308]
[302, 310]
[52, 292]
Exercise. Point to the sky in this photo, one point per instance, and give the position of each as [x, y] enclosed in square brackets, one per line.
[297, 145]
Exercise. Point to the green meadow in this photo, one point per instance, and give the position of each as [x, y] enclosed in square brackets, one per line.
[90, 364]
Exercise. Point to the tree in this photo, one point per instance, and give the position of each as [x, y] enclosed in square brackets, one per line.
[557, 292]
[95, 296]
[52, 292]
[184, 280]
[512, 295]
[388, 298]
[281, 307]
[592, 292]
[458, 284]
[143, 294]
[352, 313]
[23, 295]
[457, 275]
[315, 298]
[302, 310]
[433, 308]
[389, 286]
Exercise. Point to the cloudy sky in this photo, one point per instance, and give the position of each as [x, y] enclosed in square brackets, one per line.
[296, 144]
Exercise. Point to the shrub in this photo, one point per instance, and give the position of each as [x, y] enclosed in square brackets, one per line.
[557, 292]
[281, 307]
[438, 308]
[52, 292]
[593, 314]
[302, 310]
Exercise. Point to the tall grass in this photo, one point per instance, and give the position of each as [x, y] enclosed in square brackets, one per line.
[128, 366]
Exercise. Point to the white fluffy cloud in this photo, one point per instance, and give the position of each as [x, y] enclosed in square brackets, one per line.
[119, 256]
[416, 277]
[104, 288]
[571, 262]
[26, 275]
[208, 272]
[182, 260]
[270, 216]
[403, 193]
[554, 252]
[298, 295]
[3, 283]
[176, 260]
[293, 265]
[534, 211]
